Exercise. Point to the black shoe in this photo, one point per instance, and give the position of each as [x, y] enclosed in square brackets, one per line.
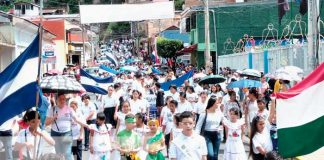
[86, 149]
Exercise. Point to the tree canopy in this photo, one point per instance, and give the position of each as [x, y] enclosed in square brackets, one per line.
[167, 48]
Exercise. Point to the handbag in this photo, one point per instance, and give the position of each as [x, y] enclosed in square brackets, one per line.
[202, 130]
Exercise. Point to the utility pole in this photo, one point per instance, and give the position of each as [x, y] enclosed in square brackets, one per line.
[207, 36]
[313, 34]
[83, 45]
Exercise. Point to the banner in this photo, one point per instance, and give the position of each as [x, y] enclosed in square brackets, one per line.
[126, 12]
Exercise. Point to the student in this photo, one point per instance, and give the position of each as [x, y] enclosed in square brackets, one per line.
[188, 145]
[26, 137]
[209, 126]
[166, 108]
[168, 122]
[141, 129]
[129, 142]
[77, 131]
[154, 142]
[100, 145]
[89, 111]
[121, 116]
[234, 148]
[176, 129]
[183, 104]
[260, 140]
[262, 111]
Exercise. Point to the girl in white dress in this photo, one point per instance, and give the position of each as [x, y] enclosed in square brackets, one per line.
[234, 148]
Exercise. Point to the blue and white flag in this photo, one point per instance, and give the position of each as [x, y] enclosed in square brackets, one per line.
[112, 71]
[178, 82]
[93, 84]
[112, 58]
[18, 86]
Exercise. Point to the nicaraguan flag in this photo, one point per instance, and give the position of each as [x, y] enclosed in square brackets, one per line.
[112, 71]
[18, 85]
[112, 59]
[93, 84]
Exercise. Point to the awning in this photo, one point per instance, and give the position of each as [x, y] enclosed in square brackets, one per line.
[189, 49]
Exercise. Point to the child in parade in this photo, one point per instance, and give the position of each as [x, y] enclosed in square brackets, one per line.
[100, 145]
[129, 143]
[263, 112]
[176, 129]
[168, 122]
[234, 148]
[260, 140]
[188, 145]
[77, 131]
[26, 137]
[154, 142]
[125, 109]
[141, 129]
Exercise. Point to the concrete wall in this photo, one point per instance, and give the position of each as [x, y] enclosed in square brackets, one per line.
[6, 56]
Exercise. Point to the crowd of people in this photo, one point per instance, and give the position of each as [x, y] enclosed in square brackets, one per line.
[137, 119]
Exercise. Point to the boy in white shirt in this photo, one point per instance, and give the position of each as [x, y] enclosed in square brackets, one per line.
[167, 122]
[26, 137]
[188, 145]
[100, 144]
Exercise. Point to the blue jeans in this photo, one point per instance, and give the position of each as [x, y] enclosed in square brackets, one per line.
[6, 138]
[62, 147]
[213, 140]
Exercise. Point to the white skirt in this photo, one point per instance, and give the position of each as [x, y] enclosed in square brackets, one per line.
[234, 150]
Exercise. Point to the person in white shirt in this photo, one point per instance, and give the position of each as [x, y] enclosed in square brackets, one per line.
[100, 145]
[183, 104]
[89, 111]
[60, 118]
[166, 108]
[209, 125]
[200, 106]
[137, 104]
[167, 123]
[77, 131]
[192, 97]
[188, 145]
[251, 106]
[262, 111]
[26, 137]
[6, 136]
[260, 140]
[110, 105]
[173, 93]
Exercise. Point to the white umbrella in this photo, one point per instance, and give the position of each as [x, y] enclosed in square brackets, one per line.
[199, 75]
[290, 69]
[251, 72]
[60, 83]
[288, 76]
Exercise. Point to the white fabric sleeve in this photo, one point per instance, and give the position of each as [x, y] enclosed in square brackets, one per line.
[200, 123]
[172, 151]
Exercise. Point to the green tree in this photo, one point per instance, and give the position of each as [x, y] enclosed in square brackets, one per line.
[167, 48]
[178, 4]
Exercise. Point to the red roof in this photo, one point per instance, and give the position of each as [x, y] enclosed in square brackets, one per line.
[55, 26]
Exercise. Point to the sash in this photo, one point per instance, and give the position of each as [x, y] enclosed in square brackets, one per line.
[183, 148]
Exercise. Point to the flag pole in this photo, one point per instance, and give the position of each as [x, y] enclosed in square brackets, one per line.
[40, 34]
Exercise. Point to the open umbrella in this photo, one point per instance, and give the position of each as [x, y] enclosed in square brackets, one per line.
[60, 83]
[290, 69]
[244, 83]
[199, 75]
[252, 73]
[212, 79]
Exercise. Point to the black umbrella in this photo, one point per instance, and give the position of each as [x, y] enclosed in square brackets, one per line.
[212, 79]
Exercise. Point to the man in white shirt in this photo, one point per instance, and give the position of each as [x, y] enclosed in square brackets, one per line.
[110, 106]
[173, 93]
[188, 145]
